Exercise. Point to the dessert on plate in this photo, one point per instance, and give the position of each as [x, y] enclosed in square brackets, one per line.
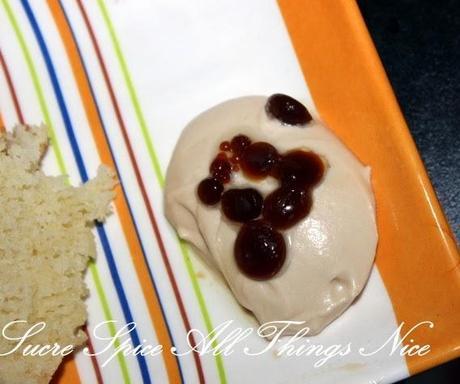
[274, 202]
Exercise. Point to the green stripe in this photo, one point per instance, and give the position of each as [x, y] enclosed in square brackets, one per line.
[108, 316]
[132, 93]
[62, 168]
[202, 304]
[159, 175]
[36, 82]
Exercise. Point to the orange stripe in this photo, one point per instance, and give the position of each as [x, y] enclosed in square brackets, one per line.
[67, 372]
[417, 256]
[120, 201]
[2, 124]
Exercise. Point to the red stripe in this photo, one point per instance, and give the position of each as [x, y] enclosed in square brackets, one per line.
[11, 89]
[142, 187]
[97, 370]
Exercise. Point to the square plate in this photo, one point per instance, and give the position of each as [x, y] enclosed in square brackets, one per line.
[117, 81]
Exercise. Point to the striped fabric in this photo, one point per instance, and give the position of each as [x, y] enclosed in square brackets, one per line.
[116, 81]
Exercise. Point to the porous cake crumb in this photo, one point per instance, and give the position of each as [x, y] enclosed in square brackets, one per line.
[46, 242]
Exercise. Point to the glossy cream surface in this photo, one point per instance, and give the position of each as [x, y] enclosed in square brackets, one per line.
[329, 253]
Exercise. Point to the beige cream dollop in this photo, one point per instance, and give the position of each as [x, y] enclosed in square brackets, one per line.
[329, 253]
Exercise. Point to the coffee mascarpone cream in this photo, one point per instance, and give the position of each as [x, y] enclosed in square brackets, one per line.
[329, 254]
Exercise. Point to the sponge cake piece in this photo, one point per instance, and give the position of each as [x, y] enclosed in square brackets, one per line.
[45, 245]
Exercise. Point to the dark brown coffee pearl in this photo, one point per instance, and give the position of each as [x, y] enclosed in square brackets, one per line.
[286, 206]
[239, 143]
[260, 250]
[224, 146]
[210, 190]
[221, 168]
[258, 160]
[242, 205]
[287, 110]
[300, 168]
[234, 159]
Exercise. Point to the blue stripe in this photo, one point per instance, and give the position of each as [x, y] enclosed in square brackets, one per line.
[121, 180]
[84, 176]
